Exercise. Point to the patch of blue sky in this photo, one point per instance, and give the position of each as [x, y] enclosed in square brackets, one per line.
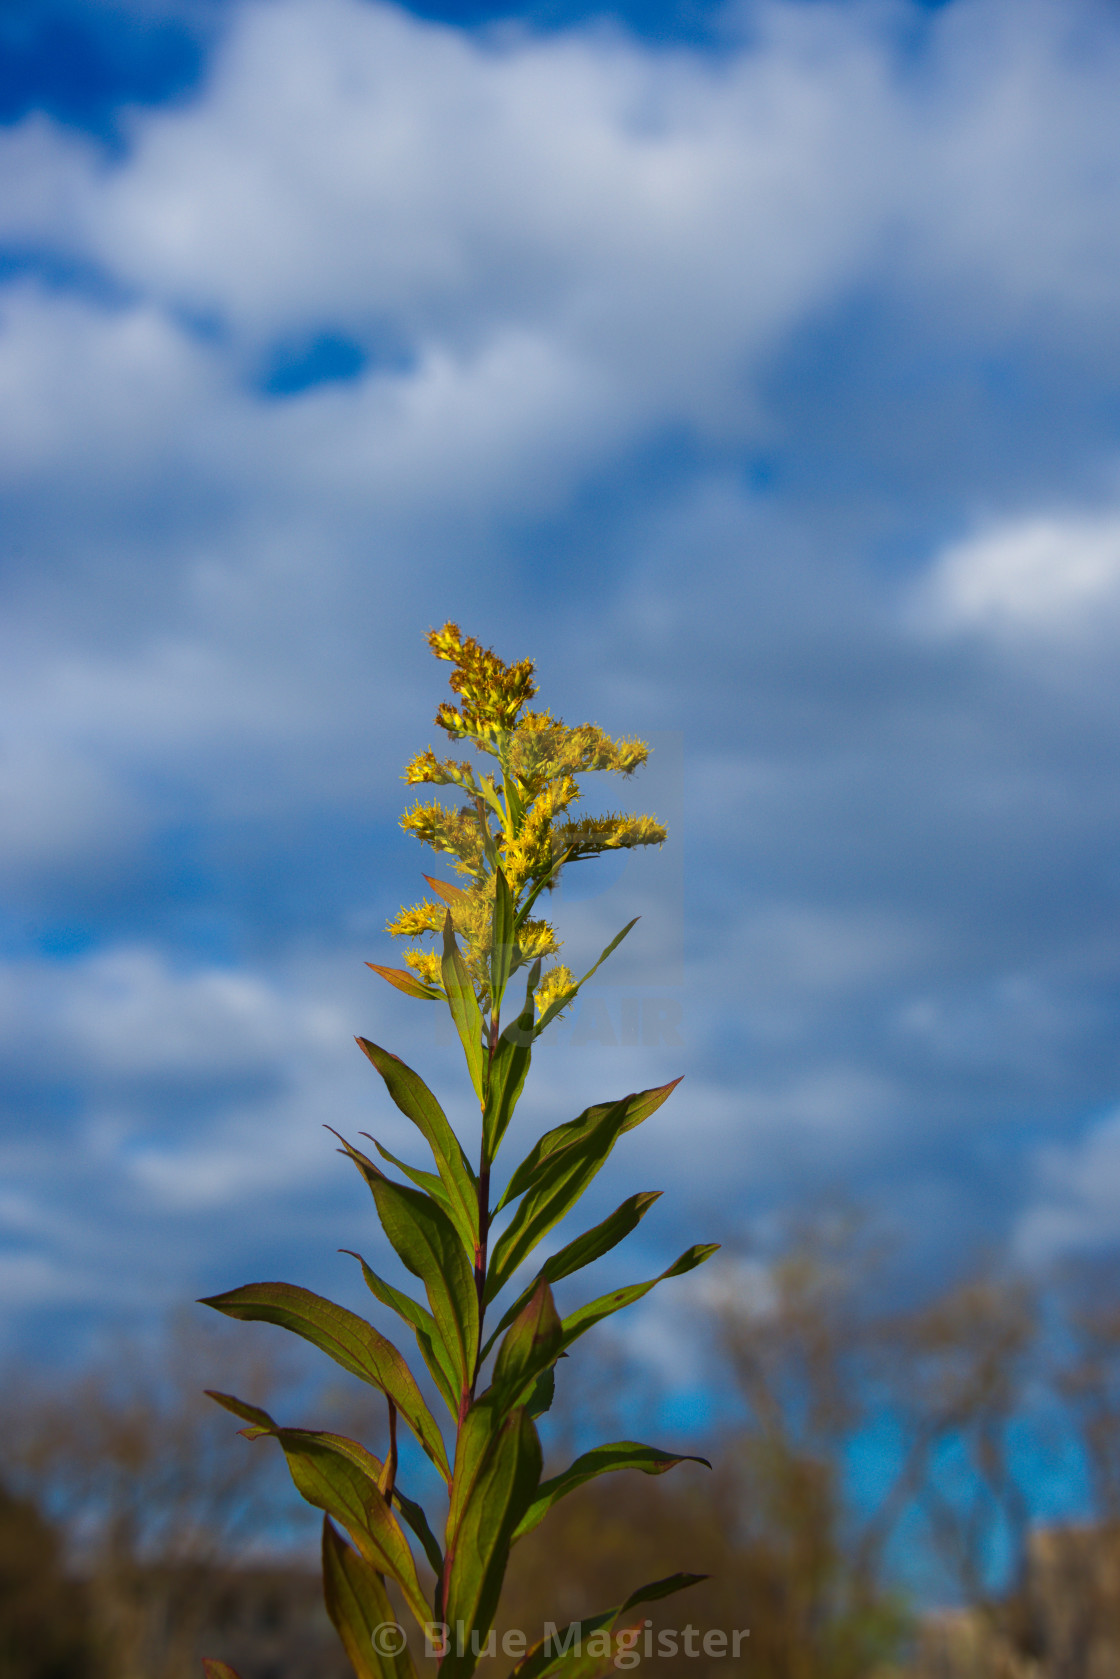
[323, 358]
[62, 271]
[228, 891]
[893, 406]
[83, 62]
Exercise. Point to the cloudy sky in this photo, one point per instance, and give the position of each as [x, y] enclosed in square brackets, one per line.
[754, 368]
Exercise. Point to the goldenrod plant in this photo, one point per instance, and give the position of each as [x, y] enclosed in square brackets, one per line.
[510, 836]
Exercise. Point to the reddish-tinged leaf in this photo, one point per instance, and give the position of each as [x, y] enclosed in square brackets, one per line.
[639, 1107]
[464, 1007]
[340, 1477]
[405, 980]
[499, 1482]
[349, 1340]
[584, 1250]
[541, 1661]
[444, 889]
[358, 1605]
[532, 1344]
[601, 1460]
[417, 1103]
[596, 1310]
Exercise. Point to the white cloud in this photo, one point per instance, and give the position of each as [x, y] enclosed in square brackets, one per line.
[128, 1012]
[647, 222]
[59, 809]
[1076, 1205]
[1041, 576]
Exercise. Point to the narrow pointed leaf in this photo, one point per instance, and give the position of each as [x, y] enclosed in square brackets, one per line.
[405, 980]
[444, 889]
[421, 1322]
[503, 947]
[499, 1486]
[602, 1460]
[584, 1250]
[507, 1072]
[554, 1009]
[558, 1185]
[429, 1182]
[330, 1481]
[463, 1004]
[657, 1589]
[526, 909]
[415, 1315]
[543, 1393]
[639, 1106]
[532, 1344]
[426, 1181]
[428, 1244]
[415, 1516]
[340, 1477]
[358, 1605]
[596, 1310]
[416, 1102]
[346, 1338]
[541, 1662]
[260, 1419]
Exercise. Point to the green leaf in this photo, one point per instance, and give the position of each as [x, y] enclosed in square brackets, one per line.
[601, 1460]
[668, 1587]
[429, 1182]
[261, 1421]
[340, 1477]
[405, 980]
[497, 1470]
[596, 1310]
[639, 1106]
[503, 945]
[359, 1606]
[542, 1661]
[584, 1250]
[531, 1346]
[554, 1008]
[464, 1006]
[507, 1070]
[417, 1520]
[541, 885]
[428, 1244]
[421, 1322]
[417, 1103]
[562, 1178]
[349, 1340]
[543, 1394]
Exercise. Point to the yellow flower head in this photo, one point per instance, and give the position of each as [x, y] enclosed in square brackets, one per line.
[514, 817]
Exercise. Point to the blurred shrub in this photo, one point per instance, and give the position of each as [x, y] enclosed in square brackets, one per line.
[44, 1631]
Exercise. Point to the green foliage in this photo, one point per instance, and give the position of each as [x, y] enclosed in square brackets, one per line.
[511, 840]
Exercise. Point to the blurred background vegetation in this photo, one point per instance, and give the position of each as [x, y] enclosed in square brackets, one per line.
[878, 1503]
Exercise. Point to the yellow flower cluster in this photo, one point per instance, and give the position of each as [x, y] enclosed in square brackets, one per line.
[511, 817]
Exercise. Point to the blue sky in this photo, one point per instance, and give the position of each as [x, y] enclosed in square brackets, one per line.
[753, 368]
